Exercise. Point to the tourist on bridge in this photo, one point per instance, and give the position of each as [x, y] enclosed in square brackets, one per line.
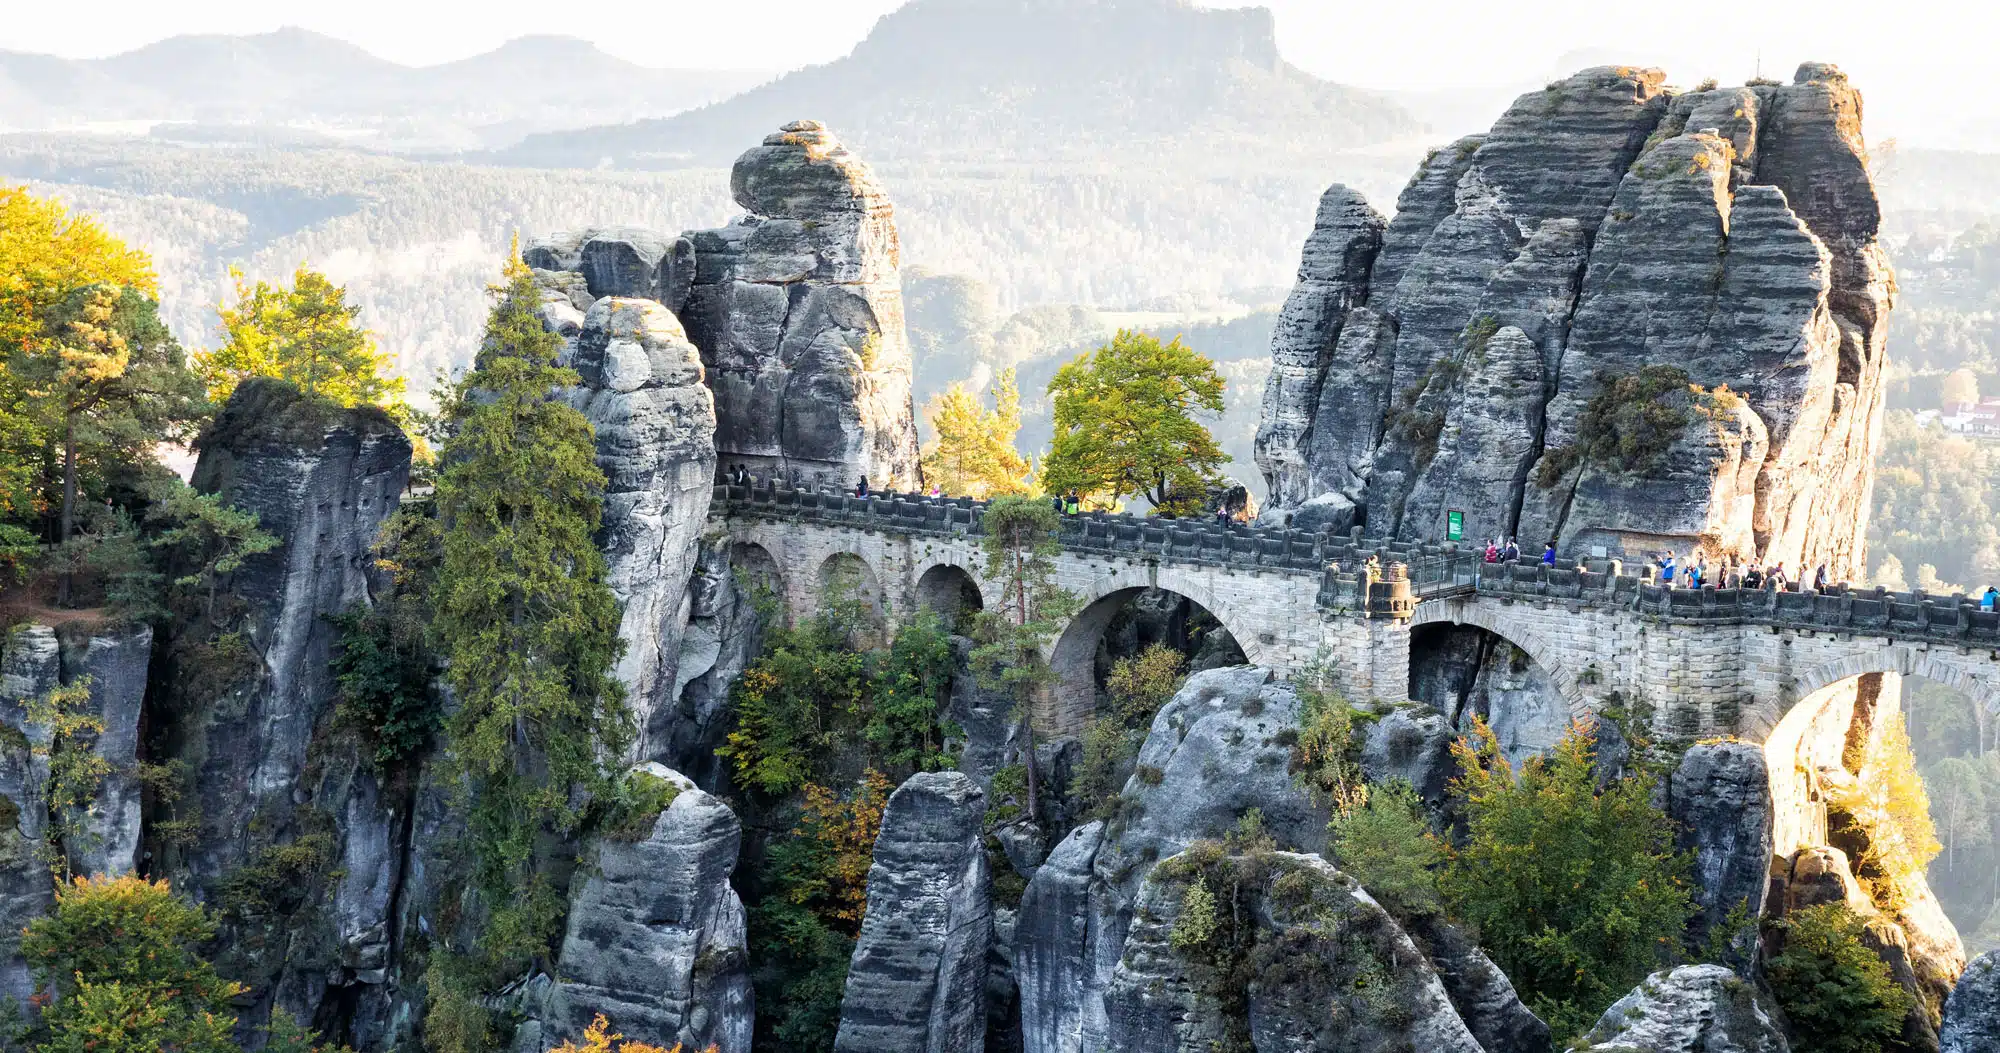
[1819, 578]
[1056, 502]
[1549, 555]
[1667, 570]
[1493, 551]
[1072, 504]
[1753, 578]
[1511, 553]
[861, 488]
[1987, 602]
[1779, 579]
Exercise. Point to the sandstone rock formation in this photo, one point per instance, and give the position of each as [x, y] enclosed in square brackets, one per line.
[1327, 967]
[1816, 755]
[104, 839]
[1720, 796]
[1214, 752]
[917, 982]
[655, 425]
[1694, 1007]
[656, 938]
[797, 307]
[250, 726]
[1470, 354]
[1972, 1014]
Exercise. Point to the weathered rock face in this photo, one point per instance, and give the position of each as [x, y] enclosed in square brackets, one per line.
[1606, 224]
[1412, 743]
[1483, 996]
[917, 982]
[1808, 756]
[1694, 1007]
[104, 838]
[30, 665]
[252, 726]
[1721, 797]
[723, 635]
[1972, 1014]
[654, 420]
[1214, 752]
[656, 938]
[798, 310]
[1330, 969]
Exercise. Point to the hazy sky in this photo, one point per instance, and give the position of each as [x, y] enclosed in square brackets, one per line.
[1909, 55]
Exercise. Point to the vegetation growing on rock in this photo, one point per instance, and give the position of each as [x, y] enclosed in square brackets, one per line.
[1576, 893]
[1836, 992]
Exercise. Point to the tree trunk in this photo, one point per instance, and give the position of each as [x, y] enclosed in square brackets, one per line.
[65, 583]
[1027, 704]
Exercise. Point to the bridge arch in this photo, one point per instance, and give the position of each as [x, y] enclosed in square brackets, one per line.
[952, 591]
[1073, 655]
[754, 566]
[1961, 673]
[846, 577]
[1537, 647]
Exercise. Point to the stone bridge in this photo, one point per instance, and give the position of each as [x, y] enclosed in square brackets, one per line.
[1714, 661]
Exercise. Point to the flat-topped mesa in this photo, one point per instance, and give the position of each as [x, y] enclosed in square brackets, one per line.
[796, 307]
[1541, 337]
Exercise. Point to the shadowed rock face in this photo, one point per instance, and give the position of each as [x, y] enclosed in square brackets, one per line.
[1604, 225]
[35, 659]
[917, 982]
[254, 729]
[796, 306]
[1972, 1014]
[656, 938]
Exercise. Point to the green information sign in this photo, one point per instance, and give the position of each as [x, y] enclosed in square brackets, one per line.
[1454, 525]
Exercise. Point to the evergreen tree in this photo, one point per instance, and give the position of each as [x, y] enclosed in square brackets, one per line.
[973, 454]
[525, 623]
[1020, 535]
[1124, 422]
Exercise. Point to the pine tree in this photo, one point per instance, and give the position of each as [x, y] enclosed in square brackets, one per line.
[525, 623]
[1021, 545]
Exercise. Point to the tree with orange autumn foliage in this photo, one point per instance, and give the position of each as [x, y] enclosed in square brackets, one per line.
[802, 933]
[599, 1038]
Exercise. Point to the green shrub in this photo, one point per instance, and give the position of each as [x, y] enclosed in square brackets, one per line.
[1387, 845]
[1628, 426]
[1576, 894]
[636, 807]
[1196, 924]
[1836, 992]
[1325, 752]
[383, 677]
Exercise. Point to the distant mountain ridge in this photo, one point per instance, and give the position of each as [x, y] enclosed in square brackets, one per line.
[1022, 80]
[291, 74]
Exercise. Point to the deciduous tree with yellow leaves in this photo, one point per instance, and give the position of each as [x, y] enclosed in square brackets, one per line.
[92, 380]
